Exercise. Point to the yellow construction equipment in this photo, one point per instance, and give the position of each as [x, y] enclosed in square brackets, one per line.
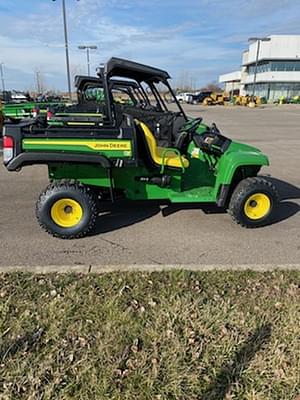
[215, 99]
[247, 101]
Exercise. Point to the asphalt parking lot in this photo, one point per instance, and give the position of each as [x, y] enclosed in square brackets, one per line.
[140, 234]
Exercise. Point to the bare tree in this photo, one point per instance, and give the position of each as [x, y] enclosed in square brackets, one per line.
[193, 82]
[39, 81]
[186, 81]
[182, 80]
[77, 69]
[213, 87]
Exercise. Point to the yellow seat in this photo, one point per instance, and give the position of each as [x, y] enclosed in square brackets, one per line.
[171, 159]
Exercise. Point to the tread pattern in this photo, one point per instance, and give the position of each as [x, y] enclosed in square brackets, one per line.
[241, 190]
[75, 187]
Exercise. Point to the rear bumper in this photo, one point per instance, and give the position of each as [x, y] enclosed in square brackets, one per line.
[25, 159]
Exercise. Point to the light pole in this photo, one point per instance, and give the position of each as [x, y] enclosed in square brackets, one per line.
[88, 48]
[258, 40]
[66, 46]
[2, 76]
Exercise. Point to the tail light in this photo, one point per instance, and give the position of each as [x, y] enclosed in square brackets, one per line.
[34, 112]
[8, 148]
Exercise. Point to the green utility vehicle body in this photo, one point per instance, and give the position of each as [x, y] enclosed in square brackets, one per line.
[202, 181]
[126, 145]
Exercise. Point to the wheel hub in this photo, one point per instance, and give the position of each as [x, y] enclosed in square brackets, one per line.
[66, 212]
[253, 203]
[257, 206]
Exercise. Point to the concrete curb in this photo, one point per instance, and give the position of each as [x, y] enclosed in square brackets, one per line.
[101, 269]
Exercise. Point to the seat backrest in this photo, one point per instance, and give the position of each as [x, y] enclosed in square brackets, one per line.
[157, 154]
[150, 139]
[143, 146]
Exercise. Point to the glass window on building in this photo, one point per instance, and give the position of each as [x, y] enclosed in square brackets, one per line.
[285, 65]
[262, 66]
[265, 66]
[274, 91]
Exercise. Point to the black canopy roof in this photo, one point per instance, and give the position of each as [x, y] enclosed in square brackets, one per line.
[133, 70]
[82, 80]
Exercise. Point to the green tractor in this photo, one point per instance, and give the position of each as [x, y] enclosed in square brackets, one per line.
[102, 149]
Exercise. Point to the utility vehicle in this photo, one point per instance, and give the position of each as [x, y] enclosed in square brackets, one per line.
[18, 106]
[15, 112]
[121, 139]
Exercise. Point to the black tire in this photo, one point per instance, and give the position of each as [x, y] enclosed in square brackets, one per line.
[75, 191]
[241, 201]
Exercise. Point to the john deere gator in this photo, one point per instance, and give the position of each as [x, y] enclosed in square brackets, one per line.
[137, 148]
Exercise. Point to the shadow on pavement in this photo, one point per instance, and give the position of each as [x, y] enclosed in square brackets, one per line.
[286, 191]
[284, 210]
[206, 208]
[125, 213]
[231, 372]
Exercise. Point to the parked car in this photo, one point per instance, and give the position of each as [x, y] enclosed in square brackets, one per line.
[198, 97]
[18, 97]
[183, 97]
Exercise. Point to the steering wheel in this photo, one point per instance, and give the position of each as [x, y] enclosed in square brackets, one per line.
[194, 125]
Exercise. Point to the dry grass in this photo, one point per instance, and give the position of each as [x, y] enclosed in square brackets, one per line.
[177, 335]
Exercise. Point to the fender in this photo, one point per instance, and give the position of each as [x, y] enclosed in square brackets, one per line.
[229, 163]
[227, 166]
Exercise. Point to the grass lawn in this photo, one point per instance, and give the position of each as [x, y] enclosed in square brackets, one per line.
[161, 335]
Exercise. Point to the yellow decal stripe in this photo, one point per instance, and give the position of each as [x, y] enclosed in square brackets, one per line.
[93, 144]
[82, 123]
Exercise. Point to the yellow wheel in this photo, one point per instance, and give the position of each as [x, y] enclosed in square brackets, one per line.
[252, 202]
[66, 212]
[67, 209]
[257, 206]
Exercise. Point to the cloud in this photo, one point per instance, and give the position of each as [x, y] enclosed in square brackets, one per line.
[36, 42]
[203, 36]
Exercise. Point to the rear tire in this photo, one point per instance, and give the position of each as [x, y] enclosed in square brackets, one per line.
[252, 202]
[67, 209]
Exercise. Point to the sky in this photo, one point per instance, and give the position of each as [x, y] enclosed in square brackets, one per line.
[203, 37]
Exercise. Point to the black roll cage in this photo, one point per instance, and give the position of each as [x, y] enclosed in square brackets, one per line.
[138, 73]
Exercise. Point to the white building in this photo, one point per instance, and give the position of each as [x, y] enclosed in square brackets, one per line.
[278, 69]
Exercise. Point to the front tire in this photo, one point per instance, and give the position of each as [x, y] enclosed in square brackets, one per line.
[252, 202]
[67, 210]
